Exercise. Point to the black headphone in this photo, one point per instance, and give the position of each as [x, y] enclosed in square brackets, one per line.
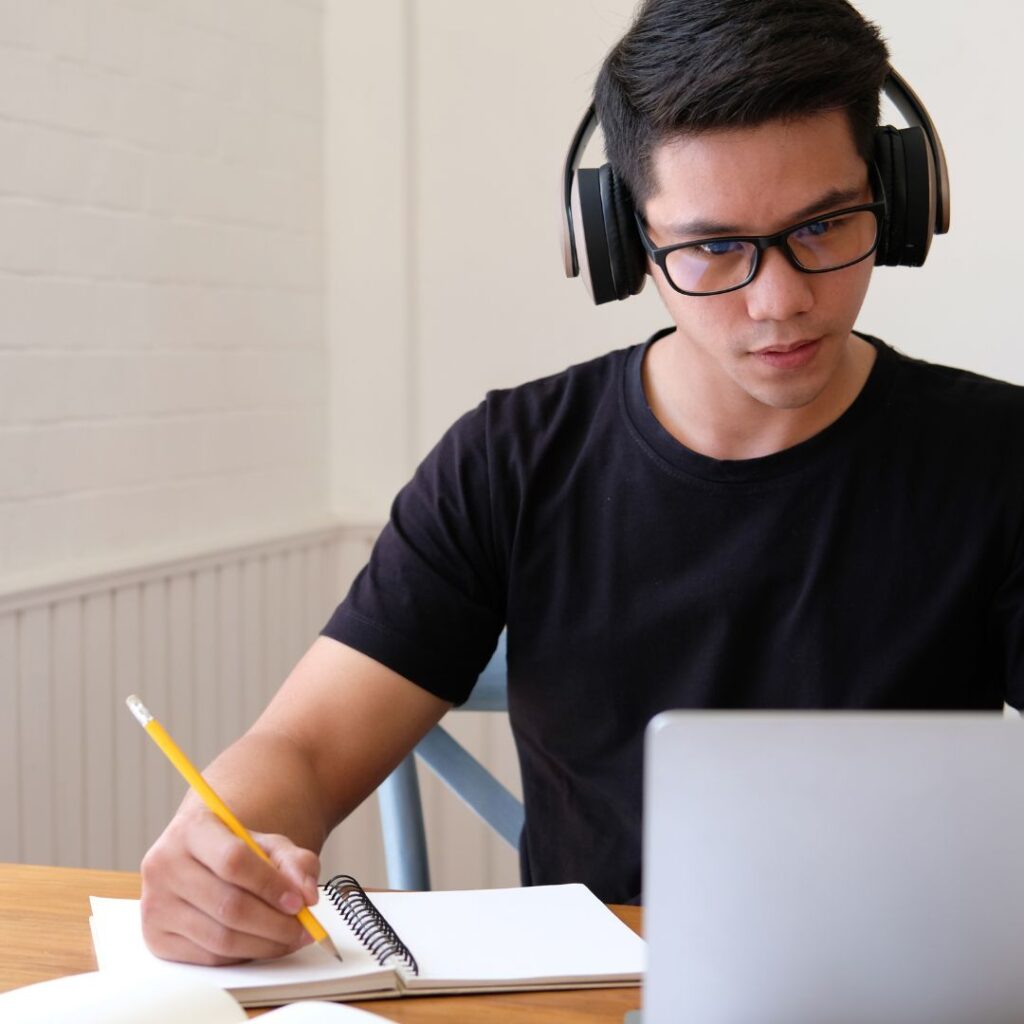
[600, 241]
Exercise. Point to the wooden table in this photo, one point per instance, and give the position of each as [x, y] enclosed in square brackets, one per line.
[44, 933]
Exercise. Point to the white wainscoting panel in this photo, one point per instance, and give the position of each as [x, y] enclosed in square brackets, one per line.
[205, 641]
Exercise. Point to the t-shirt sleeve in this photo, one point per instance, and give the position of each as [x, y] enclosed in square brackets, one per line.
[430, 602]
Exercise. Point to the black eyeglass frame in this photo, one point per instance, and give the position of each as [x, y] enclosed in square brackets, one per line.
[761, 243]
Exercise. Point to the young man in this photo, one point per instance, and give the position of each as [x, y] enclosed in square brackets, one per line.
[757, 508]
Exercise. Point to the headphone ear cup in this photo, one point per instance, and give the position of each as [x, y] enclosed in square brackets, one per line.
[885, 141]
[626, 257]
[591, 235]
[611, 258]
[903, 164]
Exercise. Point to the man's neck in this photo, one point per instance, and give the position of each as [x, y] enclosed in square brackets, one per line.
[724, 422]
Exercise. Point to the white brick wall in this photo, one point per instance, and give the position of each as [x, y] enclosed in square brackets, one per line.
[162, 356]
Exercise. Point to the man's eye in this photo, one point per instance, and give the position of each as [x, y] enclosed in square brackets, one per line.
[719, 248]
[819, 228]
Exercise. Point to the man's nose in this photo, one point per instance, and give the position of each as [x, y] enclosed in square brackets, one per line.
[779, 291]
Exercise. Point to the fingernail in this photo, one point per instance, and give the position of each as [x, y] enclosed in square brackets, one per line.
[291, 903]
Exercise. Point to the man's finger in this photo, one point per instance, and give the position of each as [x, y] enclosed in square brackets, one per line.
[195, 937]
[228, 858]
[300, 865]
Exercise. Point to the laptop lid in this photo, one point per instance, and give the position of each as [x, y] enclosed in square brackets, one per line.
[834, 868]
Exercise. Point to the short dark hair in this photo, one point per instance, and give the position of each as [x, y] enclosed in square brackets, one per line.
[690, 66]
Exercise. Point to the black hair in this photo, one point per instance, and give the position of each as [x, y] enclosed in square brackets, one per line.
[691, 66]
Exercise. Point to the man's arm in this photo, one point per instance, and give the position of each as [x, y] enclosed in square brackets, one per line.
[340, 722]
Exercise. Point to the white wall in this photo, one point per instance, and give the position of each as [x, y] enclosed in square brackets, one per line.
[163, 389]
[162, 357]
[462, 113]
[961, 308]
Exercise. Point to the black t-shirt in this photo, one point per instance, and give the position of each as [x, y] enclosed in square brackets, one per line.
[876, 565]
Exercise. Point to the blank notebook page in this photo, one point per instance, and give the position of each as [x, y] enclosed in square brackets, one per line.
[490, 935]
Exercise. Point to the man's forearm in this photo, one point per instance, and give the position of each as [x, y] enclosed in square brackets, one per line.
[270, 786]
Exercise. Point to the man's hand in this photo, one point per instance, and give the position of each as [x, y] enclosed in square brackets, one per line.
[208, 899]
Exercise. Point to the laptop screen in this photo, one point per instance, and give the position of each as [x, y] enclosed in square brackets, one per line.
[807, 868]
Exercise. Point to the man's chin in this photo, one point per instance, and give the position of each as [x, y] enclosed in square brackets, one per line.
[797, 393]
[793, 379]
[787, 401]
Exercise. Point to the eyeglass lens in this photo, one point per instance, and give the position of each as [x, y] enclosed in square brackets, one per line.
[824, 245]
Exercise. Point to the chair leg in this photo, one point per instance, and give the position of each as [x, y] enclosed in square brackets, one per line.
[405, 841]
[472, 783]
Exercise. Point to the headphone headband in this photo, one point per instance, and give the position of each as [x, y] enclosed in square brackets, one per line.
[914, 112]
[580, 138]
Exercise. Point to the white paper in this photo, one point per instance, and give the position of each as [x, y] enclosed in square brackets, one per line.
[97, 998]
[487, 937]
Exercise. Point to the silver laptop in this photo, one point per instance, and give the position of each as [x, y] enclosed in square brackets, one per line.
[841, 868]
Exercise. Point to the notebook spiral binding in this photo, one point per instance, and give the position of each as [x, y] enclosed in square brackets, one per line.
[368, 924]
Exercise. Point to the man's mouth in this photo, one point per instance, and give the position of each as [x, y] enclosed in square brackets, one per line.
[790, 356]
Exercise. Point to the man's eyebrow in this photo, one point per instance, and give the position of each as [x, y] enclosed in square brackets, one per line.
[833, 199]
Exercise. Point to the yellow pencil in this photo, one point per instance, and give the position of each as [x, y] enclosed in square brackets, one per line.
[162, 739]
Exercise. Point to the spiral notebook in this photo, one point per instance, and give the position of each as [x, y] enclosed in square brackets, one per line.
[412, 943]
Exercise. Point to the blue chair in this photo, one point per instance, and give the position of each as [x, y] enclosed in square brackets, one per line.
[401, 809]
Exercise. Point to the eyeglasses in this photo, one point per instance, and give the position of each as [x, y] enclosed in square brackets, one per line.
[711, 266]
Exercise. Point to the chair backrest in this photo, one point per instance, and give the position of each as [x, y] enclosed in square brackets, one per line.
[401, 809]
